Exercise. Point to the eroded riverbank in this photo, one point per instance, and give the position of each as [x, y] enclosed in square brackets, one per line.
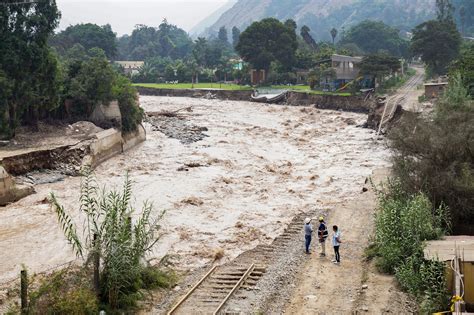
[259, 166]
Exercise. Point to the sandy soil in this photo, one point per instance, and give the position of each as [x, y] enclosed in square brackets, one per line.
[354, 286]
[259, 167]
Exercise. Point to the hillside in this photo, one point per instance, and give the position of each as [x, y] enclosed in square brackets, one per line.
[322, 15]
[202, 26]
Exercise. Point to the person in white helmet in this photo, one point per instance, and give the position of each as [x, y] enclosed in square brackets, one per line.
[308, 232]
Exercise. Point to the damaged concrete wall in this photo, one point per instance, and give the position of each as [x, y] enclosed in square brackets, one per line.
[9, 191]
[44, 159]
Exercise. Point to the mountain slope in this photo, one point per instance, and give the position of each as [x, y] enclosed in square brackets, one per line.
[323, 15]
[202, 26]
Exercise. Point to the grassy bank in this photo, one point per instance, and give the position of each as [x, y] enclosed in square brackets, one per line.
[236, 87]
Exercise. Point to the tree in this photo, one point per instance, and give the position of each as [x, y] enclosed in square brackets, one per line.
[305, 33]
[465, 67]
[26, 62]
[437, 43]
[88, 36]
[148, 42]
[266, 41]
[223, 36]
[374, 37]
[379, 65]
[235, 35]
[200, 51]
[333, 34]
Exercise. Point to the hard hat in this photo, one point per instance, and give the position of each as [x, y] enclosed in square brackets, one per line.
[307, 220]
[321, 219]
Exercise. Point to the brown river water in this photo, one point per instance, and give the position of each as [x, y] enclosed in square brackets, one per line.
[260, 165]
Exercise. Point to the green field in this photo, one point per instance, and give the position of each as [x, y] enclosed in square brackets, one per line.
[236, 87]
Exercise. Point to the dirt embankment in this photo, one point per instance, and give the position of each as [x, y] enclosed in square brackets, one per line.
[356, 104]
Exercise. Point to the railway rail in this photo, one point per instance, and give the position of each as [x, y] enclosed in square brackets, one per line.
[392, 102]
[234, 281]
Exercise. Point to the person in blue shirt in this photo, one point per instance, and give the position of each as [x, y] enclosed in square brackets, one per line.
[308, 231]
[322, 235]
[336, 242]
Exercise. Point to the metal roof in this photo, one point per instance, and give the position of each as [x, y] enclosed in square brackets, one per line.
[444, 250]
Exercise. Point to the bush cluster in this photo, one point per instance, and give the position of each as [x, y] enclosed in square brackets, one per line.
[114, 243]
[403, 223]
[435, 154]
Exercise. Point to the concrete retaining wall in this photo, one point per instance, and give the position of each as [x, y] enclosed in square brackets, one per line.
[9, 192]
[106, 144]
[107, 116]
[132, 139]
[334, 102]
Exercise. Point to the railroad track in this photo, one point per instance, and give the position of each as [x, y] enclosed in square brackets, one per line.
[222, 287]
[392, 102]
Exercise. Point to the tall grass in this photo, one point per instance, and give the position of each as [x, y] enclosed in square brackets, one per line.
[111, 235]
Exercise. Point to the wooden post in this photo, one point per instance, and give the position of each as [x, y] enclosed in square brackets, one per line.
[96, 260]
[24, 291]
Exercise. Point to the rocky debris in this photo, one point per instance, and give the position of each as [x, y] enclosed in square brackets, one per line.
[210, 96]
[41, 177]
[194, 201]
[177, 127]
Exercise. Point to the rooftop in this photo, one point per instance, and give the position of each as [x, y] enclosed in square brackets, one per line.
[444, 249]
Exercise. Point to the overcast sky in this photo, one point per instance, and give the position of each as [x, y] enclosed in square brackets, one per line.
[123, 15]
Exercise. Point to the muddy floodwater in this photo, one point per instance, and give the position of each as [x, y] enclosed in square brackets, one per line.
[239, 186]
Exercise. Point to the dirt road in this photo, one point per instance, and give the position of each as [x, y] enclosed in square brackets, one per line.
[354, 286]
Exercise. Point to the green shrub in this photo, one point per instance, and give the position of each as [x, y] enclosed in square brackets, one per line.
[153, 278]
[127, 97]
[403, 223]
[110, 233]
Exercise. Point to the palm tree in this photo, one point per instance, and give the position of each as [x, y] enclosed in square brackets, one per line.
[333, 34]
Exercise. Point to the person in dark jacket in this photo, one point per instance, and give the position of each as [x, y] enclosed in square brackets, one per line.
[308, 232]
[322, 236]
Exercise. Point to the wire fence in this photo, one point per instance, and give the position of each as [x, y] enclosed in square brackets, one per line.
[42, 272]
